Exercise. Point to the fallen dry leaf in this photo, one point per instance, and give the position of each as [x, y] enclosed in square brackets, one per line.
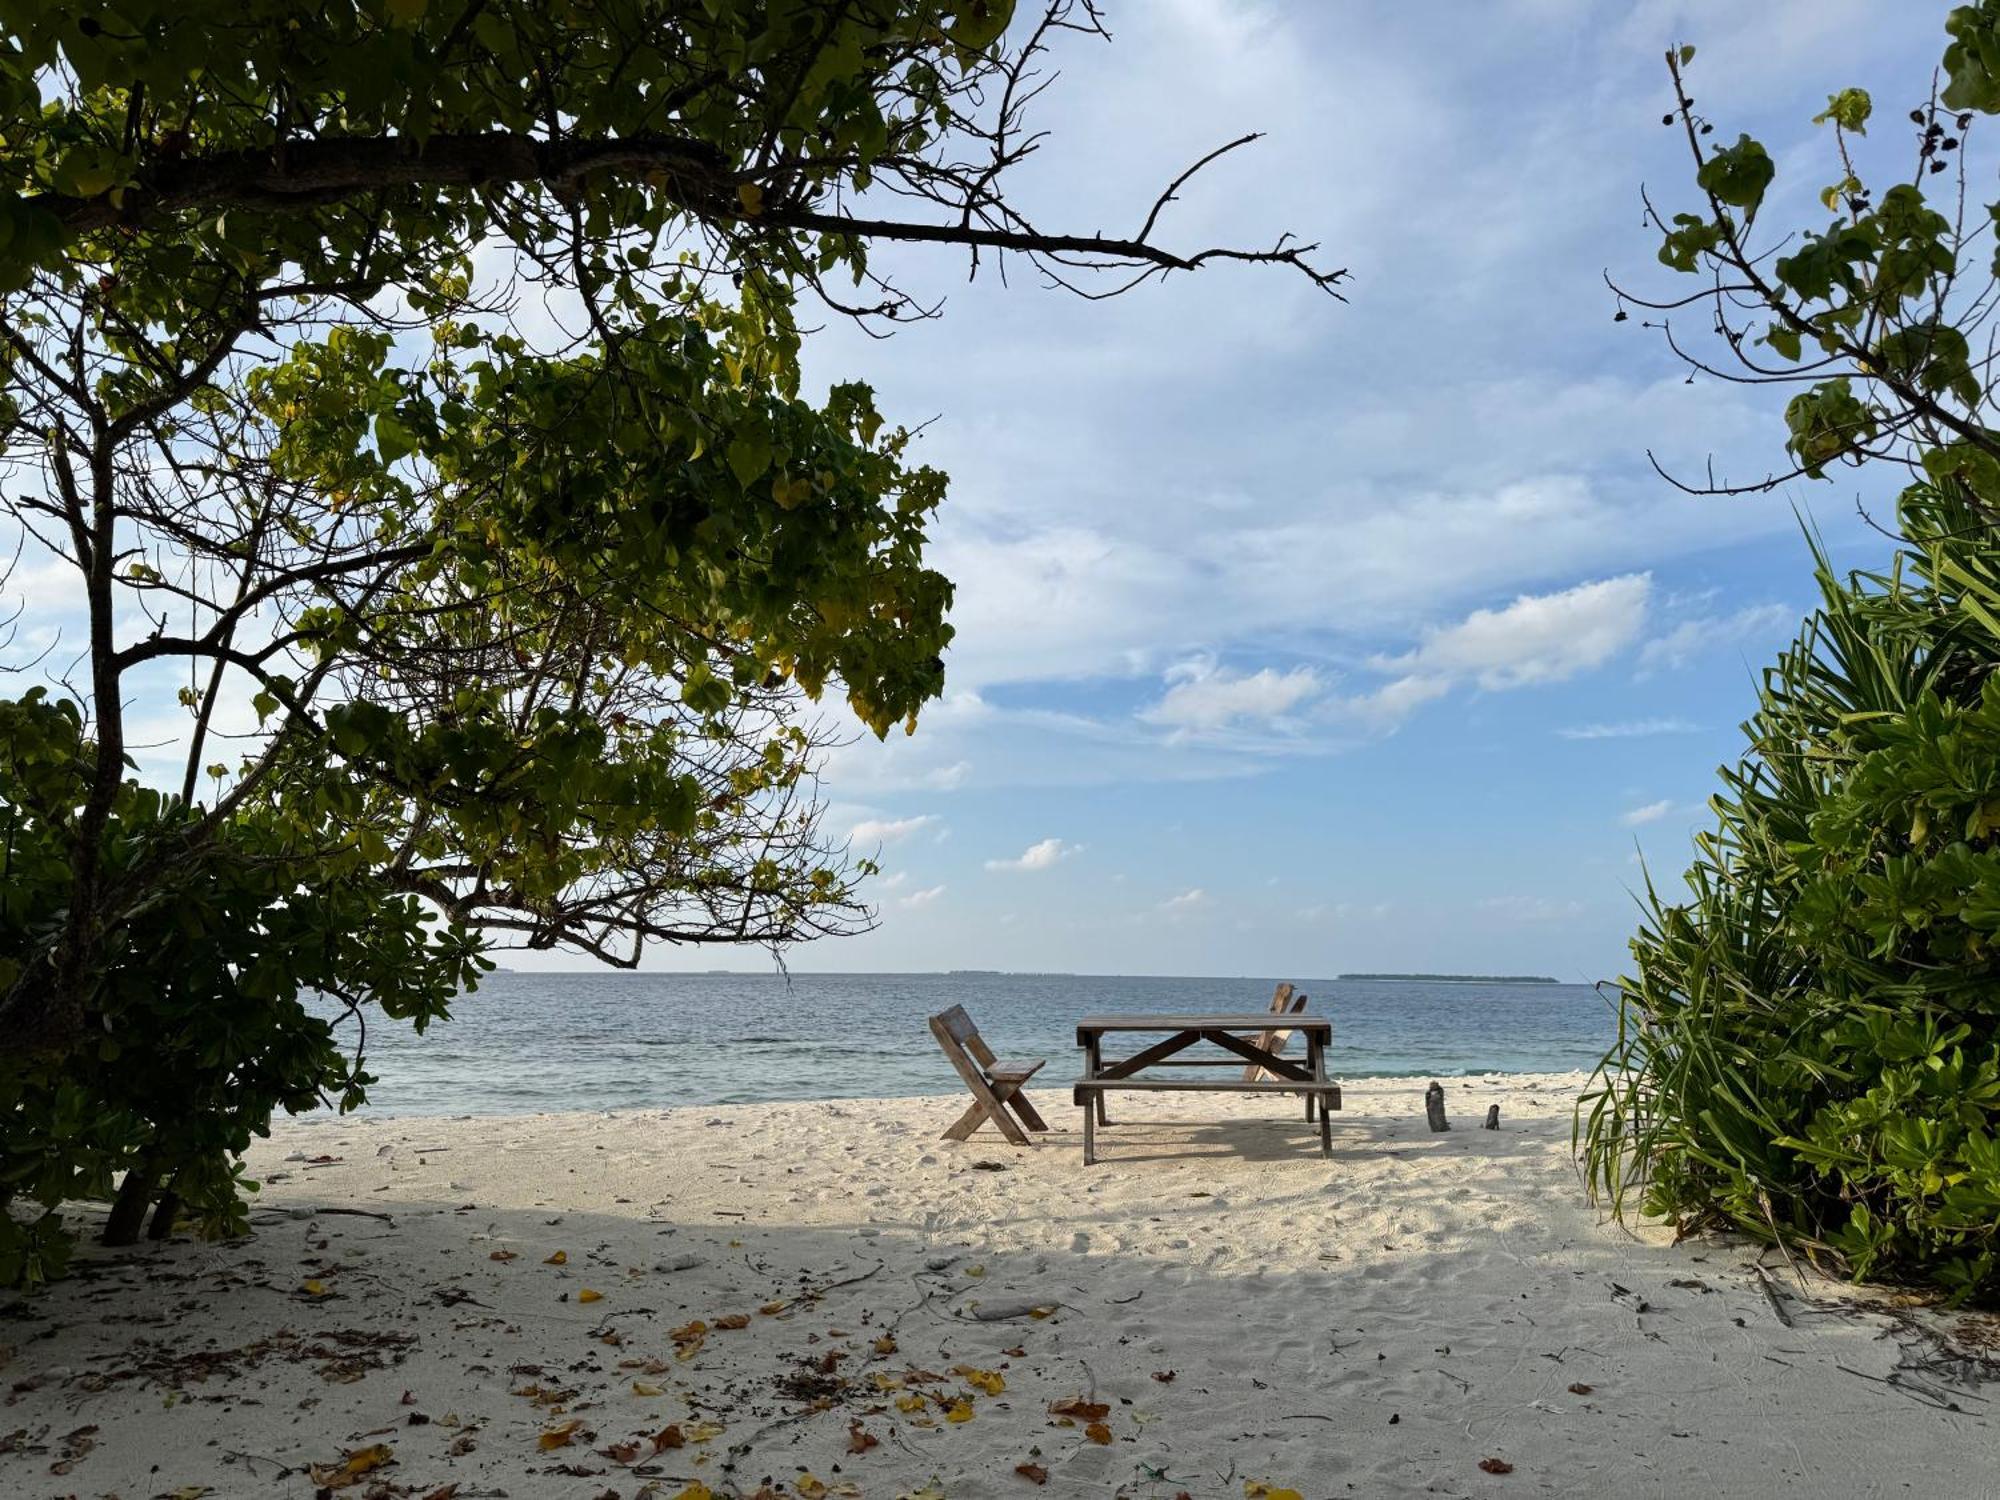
[669, 1436]
[1580, 1389]
[860, 1439]
[696, 1491]
[622, 1453]
[314, 1288]
[958, 1409]
[587, 1295]
[505, 1255]
[560, 1258]
[1080, 1410]
[640, 1388]
[886, 1345]
[772, 1309]
[1033, 1473]
[734, 1321]
[352, 1468]
[1496, 1466]
[990, 1381]
[1017, 1352]
[1257, 1489]
[911, 1402]
[559, 1436]
[1165, 1377]
[1098, 1433]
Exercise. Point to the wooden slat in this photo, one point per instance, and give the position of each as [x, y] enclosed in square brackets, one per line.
[1086, 1086]
[1227, 1021]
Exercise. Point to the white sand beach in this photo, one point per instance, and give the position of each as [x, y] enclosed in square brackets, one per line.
[823, 1299]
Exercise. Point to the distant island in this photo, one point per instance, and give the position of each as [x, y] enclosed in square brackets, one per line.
[1463, 978]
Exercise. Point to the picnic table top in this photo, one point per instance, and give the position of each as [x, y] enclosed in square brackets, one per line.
[1262, 1020]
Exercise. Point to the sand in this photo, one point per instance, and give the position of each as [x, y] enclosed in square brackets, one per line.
[1251, 1318]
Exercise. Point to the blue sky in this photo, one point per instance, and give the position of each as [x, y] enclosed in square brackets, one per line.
[1299, 637]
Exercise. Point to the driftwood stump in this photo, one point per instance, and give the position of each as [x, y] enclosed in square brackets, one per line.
[1434, 1106]
[1492, 1117]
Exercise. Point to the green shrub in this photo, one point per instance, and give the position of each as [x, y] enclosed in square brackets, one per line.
[1809, 1046]
[201, 1021]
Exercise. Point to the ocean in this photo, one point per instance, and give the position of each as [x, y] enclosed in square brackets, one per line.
[526, 1042]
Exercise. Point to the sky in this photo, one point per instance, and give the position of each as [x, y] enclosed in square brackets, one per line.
[1298, 636]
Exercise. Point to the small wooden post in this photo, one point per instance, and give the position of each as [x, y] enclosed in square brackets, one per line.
[1434, 1106]
[1492, 1117]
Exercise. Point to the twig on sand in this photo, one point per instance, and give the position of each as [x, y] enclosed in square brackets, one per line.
[355, 1213]
[1771, 1295]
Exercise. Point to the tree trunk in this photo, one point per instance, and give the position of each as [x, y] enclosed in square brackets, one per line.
[1434, 1106]
[128, 1209]
[164, 1216]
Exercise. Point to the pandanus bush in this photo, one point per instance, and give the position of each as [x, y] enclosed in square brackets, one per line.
[1809, 1042]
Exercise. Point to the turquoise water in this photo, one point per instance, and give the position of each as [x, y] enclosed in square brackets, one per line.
[531, 1042]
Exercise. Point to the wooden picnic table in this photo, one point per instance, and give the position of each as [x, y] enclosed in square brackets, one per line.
[1256, 1038]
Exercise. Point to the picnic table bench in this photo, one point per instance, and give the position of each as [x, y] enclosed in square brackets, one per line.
[1241, 1038]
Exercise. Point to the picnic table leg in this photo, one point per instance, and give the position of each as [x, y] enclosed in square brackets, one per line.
[1318, 1049]
[1094, 1064]
[1090, 1132]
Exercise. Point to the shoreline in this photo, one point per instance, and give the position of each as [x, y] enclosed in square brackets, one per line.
[910, 1309]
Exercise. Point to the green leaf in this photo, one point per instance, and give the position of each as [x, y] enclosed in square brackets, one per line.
[1738, 175]
[1848, 110]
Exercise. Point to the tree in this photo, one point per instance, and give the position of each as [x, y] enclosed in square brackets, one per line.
[476, 636]
[1809, 1048]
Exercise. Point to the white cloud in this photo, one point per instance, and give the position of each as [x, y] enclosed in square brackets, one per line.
[1202, 696]
[889, 830]
[1539, 638]
[921, 898]
[1186, 901]
[1691, 639]
[1652, 812]
[1042, 856]
[1627, 729]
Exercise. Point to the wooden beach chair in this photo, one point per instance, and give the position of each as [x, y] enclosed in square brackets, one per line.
[995, 1086]
[1283, 1003]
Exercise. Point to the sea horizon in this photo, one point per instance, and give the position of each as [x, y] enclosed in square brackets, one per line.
[529, 1042]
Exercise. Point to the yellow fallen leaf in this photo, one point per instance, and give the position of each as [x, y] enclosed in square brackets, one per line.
[882, 1380]
[1257, 1489]
[587, 1295]
[911, 1402]
[958, 1409]
[352, 1468]
[696, 1491]
[640, 1388]
[886, 1345]
[931, 1491]
[315, 1288]
[560, 1258]
[733, 1321]
[559, 1437]
[1039, 1313]
[975, 1270]
[772, 1309]
[704, 1432]
[990, 1381]
[1098, 1433]
[810, 1487]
